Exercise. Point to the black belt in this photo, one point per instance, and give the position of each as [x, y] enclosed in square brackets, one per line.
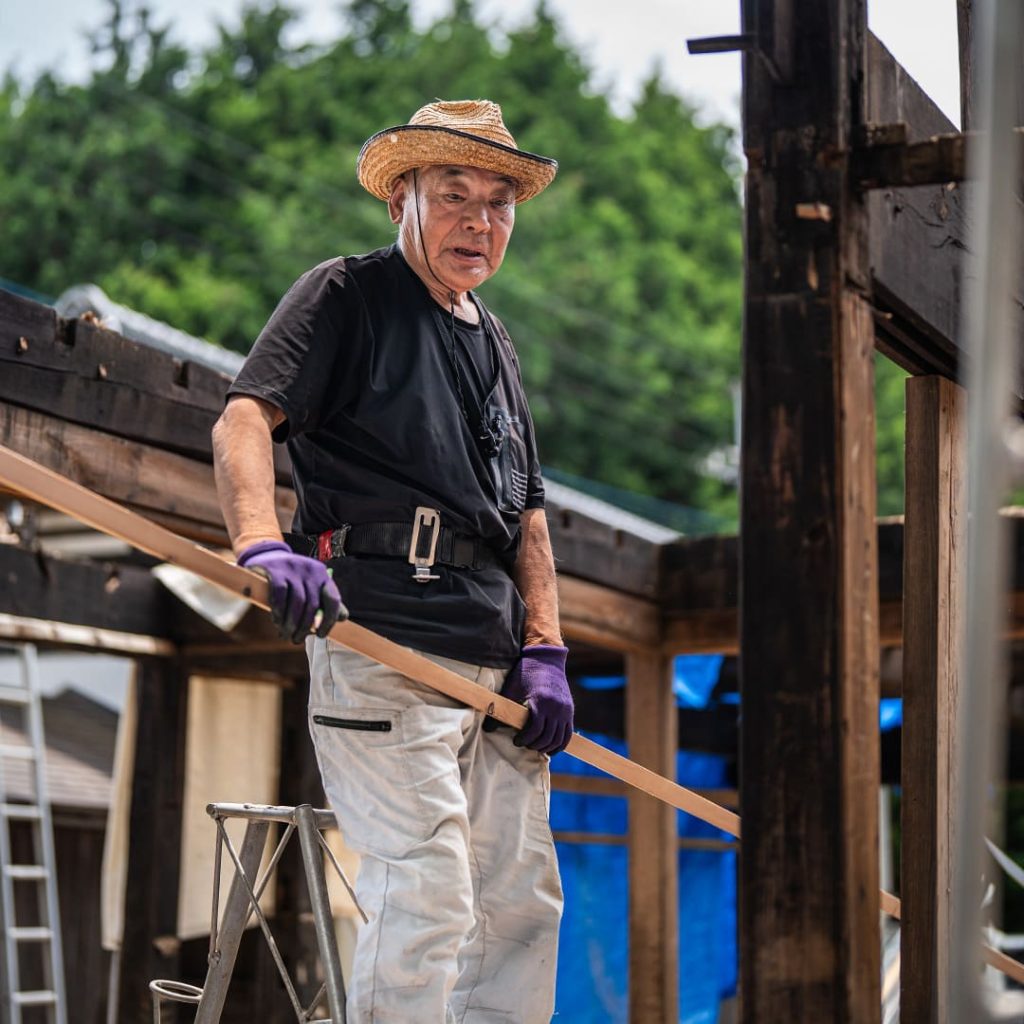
[393, 540]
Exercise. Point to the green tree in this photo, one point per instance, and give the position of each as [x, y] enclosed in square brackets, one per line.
[197, 185]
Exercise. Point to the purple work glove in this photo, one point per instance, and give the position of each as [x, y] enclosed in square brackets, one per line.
[299, 588]
[538, 681]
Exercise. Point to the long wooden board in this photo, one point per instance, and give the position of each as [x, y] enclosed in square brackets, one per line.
[40, 484]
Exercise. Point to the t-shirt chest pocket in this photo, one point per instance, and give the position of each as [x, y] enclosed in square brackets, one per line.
[509, 467]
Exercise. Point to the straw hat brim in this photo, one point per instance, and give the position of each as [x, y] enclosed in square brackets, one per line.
[387, 155]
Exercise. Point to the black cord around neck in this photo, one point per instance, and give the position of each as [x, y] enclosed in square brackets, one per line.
[486, 440]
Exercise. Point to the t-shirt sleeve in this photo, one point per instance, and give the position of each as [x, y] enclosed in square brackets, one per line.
[535, 482]
[295, 356]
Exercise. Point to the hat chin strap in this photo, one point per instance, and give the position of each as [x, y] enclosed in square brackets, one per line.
[423, 244]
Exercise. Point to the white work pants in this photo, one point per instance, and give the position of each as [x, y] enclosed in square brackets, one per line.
[458, 874]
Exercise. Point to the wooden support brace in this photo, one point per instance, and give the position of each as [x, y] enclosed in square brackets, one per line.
[653, 848]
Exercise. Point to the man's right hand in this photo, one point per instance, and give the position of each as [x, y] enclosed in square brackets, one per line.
[299, 588]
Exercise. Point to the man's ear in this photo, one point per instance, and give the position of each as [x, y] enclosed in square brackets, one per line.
[396, 201]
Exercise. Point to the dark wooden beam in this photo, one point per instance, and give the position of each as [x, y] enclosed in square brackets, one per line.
[149, 947]
[940, 160]
[936, 542]
[171, 488]
[595, 551]
[916, 235]
[75, 370]
[607, 618]
[122, 598]
[809, 746]
[701, 610]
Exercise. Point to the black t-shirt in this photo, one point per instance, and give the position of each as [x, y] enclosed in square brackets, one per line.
[358, 357]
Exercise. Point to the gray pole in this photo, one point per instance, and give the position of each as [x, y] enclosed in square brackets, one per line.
[990, 341]
[313, 860]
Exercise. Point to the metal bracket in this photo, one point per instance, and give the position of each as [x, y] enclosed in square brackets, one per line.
[430, 518]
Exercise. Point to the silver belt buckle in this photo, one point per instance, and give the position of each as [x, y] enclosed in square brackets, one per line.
[431, 519]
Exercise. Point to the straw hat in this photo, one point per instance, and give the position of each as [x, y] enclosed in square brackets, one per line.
[468, 132]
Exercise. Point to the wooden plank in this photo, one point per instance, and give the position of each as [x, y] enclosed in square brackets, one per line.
[653, 864]
[148, 479]
[63, 634]
[703, 632]
[935, 546]
[120, 598]
[598, 552]
[809, 948]
[916, 235]
[44, 486]
[606, 618]
[149, 948]
[78, 371]
[940, 160]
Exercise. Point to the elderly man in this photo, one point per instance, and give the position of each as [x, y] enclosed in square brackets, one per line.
[400, 398]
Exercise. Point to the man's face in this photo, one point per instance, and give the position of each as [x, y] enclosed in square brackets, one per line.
[466, 215]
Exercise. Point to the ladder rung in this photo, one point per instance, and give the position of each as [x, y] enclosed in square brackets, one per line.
[26, 872]
[19, 753]
[33, 934]
[14, 695]
[23, 812]
[41, 997]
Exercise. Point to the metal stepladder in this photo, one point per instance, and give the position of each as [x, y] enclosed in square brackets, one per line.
[243, 901]
[37, 944]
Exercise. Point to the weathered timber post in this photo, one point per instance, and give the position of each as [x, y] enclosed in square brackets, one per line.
[651, 729]
[150, 945]
[934, 546]
[809, 763]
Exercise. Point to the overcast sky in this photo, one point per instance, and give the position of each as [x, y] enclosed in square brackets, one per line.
[622, 39]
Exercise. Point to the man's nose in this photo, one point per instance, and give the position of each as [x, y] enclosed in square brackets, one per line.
[477, 217]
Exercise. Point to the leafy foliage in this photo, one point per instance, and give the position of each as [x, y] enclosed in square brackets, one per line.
[197, 186]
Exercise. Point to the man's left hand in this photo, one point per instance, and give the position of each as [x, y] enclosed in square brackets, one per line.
[538, 681]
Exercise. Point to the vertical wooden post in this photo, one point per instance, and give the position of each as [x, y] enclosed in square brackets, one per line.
[965, 36]
[934, 545]
[651, 729]
[293, 925]
[150, 946]
[809, 763]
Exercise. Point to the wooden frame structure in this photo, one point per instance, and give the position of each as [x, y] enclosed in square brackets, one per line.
[855, 238]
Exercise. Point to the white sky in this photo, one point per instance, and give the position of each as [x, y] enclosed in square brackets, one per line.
[621, 39]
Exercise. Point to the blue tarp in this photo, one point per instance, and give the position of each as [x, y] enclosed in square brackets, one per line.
[593, 959]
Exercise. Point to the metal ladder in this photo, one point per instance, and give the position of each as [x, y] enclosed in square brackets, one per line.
[243, 902]
[43, 935]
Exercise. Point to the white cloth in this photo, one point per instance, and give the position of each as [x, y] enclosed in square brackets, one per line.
[458, 876]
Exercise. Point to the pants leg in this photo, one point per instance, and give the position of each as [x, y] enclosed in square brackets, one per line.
[388, 754]
[507, 965]
[458, 875]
